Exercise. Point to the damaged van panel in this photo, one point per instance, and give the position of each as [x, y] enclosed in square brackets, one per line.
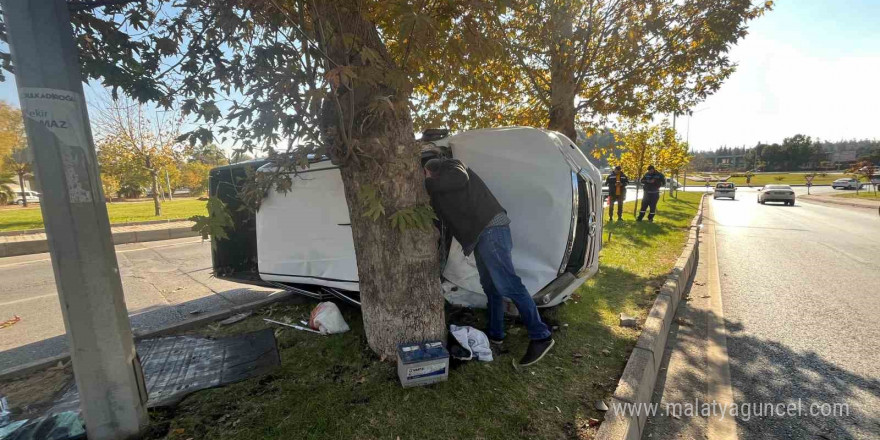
[551, 192]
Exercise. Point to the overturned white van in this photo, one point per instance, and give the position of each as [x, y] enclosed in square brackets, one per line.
[302, 240]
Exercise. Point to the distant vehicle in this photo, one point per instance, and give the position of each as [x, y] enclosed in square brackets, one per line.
[875, 180]
[776, 193]
[725, 189]
[845, 183]
[31, 196]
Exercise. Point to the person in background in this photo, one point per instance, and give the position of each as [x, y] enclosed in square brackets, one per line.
[479, 223]
[616, 183]
[652, 182]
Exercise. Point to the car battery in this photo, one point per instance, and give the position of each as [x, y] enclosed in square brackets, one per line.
[422, 363]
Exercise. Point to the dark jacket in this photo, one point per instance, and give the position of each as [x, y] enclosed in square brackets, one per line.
[652, 181]
[462, 201]
[610, 181]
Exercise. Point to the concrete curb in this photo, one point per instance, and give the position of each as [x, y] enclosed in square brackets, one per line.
[23, 370]
[41, 246]
[636, 384]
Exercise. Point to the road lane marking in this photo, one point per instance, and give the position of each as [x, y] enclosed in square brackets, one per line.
[28, 299]
[118, 252]
[719, 382]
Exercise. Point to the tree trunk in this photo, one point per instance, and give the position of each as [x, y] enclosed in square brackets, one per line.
[24, 201]
[154, 178]
[562, 81]
[168, 184]
[401, 299]
[636, 204]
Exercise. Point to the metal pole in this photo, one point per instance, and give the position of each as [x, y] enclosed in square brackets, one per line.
[107, 370]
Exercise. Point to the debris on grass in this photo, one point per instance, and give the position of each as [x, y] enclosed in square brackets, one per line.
[235, 318]
[601, 406]
[628, 321]
[298, 327]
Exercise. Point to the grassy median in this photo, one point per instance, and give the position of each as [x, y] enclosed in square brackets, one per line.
[865, 194]
[14, 218]
[761, 179]
[335, 387]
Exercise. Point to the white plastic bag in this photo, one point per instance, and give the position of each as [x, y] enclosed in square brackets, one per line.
[327, 319]
[474, 340]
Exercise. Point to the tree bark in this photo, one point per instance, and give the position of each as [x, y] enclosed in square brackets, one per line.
[562, 80]
[154, 178]
[21, 187]
[401, 299]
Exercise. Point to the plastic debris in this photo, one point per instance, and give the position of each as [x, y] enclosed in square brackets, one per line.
[10, 322]
[327, 318]
[298, 327]
[474, 341]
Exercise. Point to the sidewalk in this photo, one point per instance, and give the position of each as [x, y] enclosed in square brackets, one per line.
[845, 201]
[34, 241]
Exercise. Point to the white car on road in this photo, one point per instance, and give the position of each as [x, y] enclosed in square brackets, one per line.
[845, 183]
[30, 196]
[776, 193]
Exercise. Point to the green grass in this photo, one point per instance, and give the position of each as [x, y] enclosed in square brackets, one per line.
[866, 194]
[762, 179]
[13, 218]
[334, 387]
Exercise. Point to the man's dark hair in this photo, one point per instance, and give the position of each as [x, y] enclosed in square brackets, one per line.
[617, 168]
[434, 165]
[650, 167]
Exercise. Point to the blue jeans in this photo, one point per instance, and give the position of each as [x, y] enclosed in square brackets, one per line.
[499, 281]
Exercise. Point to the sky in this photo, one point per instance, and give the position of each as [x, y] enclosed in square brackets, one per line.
[808, 66]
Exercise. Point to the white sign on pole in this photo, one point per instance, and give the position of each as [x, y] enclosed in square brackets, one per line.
[60, 112]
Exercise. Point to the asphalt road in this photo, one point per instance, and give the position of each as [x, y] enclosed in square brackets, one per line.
[164, 281]
[800, 301]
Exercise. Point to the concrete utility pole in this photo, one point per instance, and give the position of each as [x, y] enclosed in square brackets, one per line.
[107, 370]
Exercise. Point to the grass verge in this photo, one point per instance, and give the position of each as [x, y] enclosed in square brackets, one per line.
[15, 219]
[762, 179]
[865, 194]
[334, 387]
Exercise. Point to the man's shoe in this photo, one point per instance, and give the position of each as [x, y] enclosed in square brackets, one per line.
[619, 218]
[537, 349]
[650, 220]
[638, 219]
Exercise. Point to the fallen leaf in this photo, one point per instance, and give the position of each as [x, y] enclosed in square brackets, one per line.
[558, 410]
[593, 422]
[178, 431]
[705, 296]
[606, 352]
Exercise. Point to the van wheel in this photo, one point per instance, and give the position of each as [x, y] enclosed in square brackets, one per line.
[19, 202]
